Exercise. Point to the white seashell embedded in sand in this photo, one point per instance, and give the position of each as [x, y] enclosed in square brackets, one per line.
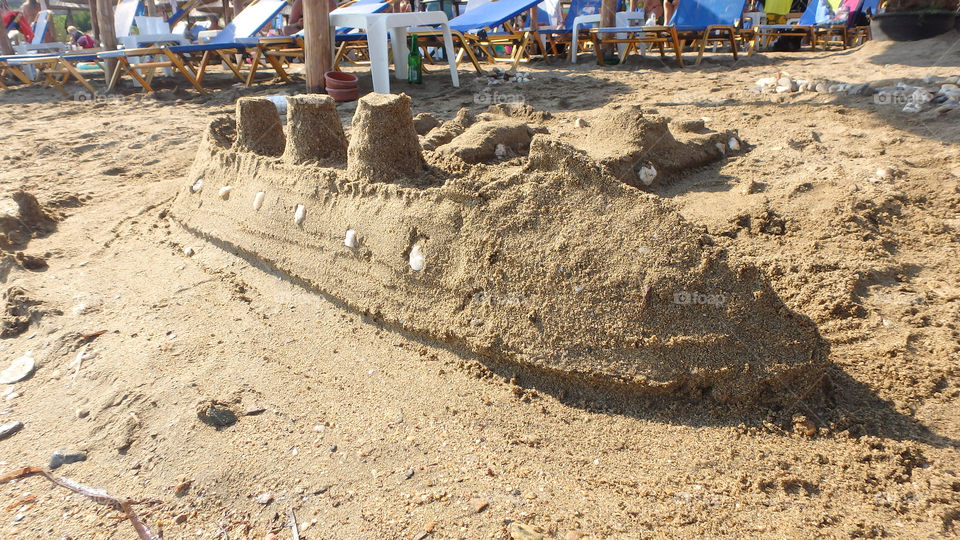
[647, 174]
[188, 251]
[197, 186]
[350, 240]
[18, 370]
[224, 192]
[258, 200]
[300, 214]
[734, 144]
[417, 259]
[885, 173]
[580, 123]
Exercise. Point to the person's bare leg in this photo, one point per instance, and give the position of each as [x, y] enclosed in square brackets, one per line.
[668, 9]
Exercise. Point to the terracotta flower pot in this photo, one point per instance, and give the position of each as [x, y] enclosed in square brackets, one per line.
[340, 80]
[343, 94]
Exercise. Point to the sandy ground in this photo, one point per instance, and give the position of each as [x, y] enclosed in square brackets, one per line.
[366, 432]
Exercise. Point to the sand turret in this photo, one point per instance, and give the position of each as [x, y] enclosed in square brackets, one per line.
[314, 131]
[384, 145]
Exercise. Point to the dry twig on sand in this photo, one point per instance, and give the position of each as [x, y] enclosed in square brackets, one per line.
[97, 495]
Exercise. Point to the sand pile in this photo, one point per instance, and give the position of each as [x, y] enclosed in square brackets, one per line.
[557, 264]
[22, 218]
[625, 140]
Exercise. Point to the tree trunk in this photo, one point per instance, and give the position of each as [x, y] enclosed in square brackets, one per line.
[94, 23]
[151, 8]
[108, 34]
[5, 46]
[227, 14]
[316, 43]
[608, 19]
[238, 6]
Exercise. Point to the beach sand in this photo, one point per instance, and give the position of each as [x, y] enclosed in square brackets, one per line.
[368, 431]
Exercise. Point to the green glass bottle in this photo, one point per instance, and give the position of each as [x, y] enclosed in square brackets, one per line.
[414, 62]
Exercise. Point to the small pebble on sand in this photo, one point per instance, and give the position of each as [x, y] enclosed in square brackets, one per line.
[9, 429]
[479, 504]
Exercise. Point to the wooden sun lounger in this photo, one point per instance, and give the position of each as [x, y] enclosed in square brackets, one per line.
[56, 69]
[652, 35]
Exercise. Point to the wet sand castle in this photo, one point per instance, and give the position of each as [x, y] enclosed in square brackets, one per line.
[509, 234]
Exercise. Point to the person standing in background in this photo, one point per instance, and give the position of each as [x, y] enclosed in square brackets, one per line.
[655, 8]
[14, 21]
[669, 7]
[30, 9]
[295, 21]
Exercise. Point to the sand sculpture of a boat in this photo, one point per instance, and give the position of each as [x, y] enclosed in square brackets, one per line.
[551, 259]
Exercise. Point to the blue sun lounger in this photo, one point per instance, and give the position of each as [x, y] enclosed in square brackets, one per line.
[57, 67]
[581, 12]
[700, 21]
[817, 12]
[192, 60]
[479, 27]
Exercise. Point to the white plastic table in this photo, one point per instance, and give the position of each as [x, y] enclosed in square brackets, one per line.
[381, 27]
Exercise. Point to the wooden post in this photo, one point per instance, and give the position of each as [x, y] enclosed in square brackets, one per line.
[238, 6]
[108, 34]
[608, 19]
[94, 23]
[151, 8]
[318, 55]
[226, 12]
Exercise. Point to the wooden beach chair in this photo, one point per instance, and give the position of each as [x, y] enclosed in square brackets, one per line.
[484, 28]
[698, 21]
[817, 12]
[55, 69]
[192, 61]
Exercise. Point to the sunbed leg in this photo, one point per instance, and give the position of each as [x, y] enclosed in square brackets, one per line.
[226, 60]
[733, 41]
[122, 65]
[278, 67]
[253, 65]
[340, 52]
[76, 75]
[520, 50]
[202, 68]
[677, 47]
[19, 74]
[143, 82]
[465, 46]
[52, 81]
[178, 63]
